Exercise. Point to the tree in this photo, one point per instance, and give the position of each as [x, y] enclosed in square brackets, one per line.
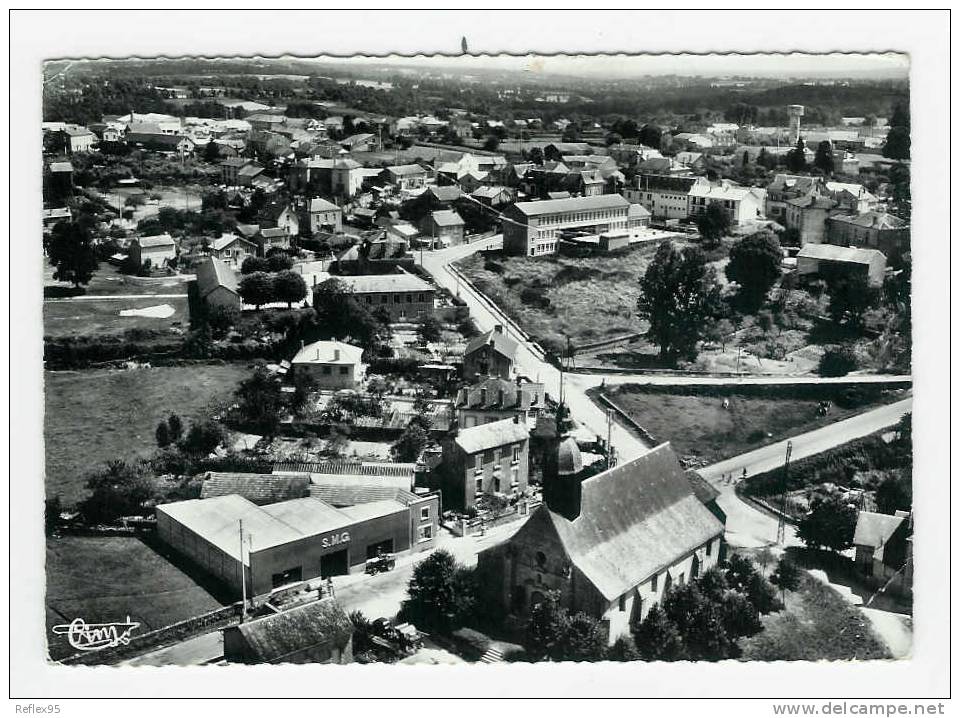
[279, 261]
[72, 254]
[339, 315]
[720, 331]
[755, 266]
[535, 155]
[837, 361]
[253, 264]
[658, 638]
[583, 640]
[761, 594]
[679, 295]
[850, 296]
[411, 443]
[199, 342]
[796, 158]
[120, 489]
[430, 329]
[651, 136]
[202, 437]
[211, 153]
[175, 426]
[897, 146]
[441, 592]
[163, 435]
[223, 316]
[700, 623]
[257, 288]
[786, 576]
[624, 650]
[713, 584]
[260, 401]
[713, 224]
[893, 493]
[553, 634]
[377, 386]
[830, 524]
[740, 570]
[491, 143]
[289, 287]
[823, 159]
[740, 617]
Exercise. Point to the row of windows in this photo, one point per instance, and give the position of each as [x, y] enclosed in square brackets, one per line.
[594, 215]
[397, 298]
[539, 249]
[498, 484]
[496, 454]
[329, 370]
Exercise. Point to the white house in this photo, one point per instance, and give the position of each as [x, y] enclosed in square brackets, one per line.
[331, 364]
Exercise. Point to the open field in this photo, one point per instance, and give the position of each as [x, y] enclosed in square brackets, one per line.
[817, 625]
[108, 579]
[696, 424]
[552, 297]
[109, 281]
[85, 317]
[94, 416]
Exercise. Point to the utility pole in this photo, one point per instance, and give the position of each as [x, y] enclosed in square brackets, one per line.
[609, 438]
[243, 576]
[781, 523]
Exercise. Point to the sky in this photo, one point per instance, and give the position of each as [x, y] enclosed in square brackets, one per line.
[623, 66]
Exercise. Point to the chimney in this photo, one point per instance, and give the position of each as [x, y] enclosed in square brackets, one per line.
[498, 329]
[336, 355]
[302, 344]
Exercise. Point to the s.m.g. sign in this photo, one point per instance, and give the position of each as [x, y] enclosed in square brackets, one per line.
[335, 539]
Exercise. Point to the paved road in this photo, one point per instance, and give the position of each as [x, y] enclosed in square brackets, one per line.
[196, 651]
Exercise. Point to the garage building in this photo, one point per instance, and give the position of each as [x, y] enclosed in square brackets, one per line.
[295, 540]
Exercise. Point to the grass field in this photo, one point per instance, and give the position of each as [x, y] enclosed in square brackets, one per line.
[698, 425]
[94, 416]
[589, 299]
[816, 625]
[107, 579]
[85, 317]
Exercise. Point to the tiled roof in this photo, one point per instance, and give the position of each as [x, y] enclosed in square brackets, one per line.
[61, 167]
[276, 637]
[487, 395]
[702, 489]
[260, 489]
[328, 352]
[500, 341]
[366, 283]
[574, 204]
[447, 218]
[214, 273]
[834, 253]
[350, 468]
[226, 240]
[635, 520]
[160, 240]
[445, 193]
[318, 204]
[489, 436]
[871, 220]
[406, 170]
[875, 529]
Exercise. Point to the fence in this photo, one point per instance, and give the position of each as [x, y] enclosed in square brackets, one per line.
[606, 343]
[168, 635]
[478, 524]
[645, 435]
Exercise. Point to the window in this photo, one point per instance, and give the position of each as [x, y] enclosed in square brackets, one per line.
[326, 370]
[541, 560]
[383, 299]
[516, 454]
[369, 299]
[680, 580]
[396, 298]
[478, 462]
[420, 297]
[496, 456]
[409, 299]
[425, 533]
[709, 547]
[653, 583]
[623, 604]
[496, 484]
[424, 513]
[344, 370]
[479, 486]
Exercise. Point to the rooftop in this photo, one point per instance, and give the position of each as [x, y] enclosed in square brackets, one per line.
[872, 220]
[260, 489]
[318, 204]
[500, 341]
[160, 240]
[489, 436]
[366, 283]
[214, 273]
[275, 637]
[875, 529]
[834, 253]
[573, 204]
[328, 352]
[447, 218]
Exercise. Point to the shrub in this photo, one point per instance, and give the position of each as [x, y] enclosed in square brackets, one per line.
[472, 644]
[837, 361]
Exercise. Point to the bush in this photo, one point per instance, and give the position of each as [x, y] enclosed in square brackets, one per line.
[837, 361]
[472, 644]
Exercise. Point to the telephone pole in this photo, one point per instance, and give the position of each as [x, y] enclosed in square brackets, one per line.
[781, 523]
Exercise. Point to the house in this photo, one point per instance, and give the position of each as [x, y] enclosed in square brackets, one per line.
[535, 228]
[315, 632]
[382, 256]
[492, 354]
[495, 399]
[358, 143]
[331, 364]
[784, 188]
[808, 215]
[232, 249]
[473, 180]
[159, 250]
[281, 215]
[403, 296]
[77, 139]
[556, 150]
[260, 489]
[692, 141]
[445, 227]
[611, 544]
[248, 173]
[57, 214]
[161, 142]
[662, 166]
[488, 458]
[403, 231]
[271, 238]
[824, 261]
[320, 215]
[881, 543]
[742, 204]
[346, 177]
[266, 121]
[217, 284]
[851, 197]
[406, 177]
[587, 183]
[870, 230]
[58, 182]
[230, 168]
[691, 160]
[664, 196]
[495, 196]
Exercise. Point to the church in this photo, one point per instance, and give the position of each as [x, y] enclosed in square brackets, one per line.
[611, 543]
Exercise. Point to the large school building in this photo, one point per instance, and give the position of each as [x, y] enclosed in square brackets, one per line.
[535, 228]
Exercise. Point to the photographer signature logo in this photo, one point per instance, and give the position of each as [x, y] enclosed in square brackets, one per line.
[96, 636]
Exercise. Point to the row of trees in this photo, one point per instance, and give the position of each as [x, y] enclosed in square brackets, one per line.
[260, 288]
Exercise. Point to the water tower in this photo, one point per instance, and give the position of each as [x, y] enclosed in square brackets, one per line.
[795, 112]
